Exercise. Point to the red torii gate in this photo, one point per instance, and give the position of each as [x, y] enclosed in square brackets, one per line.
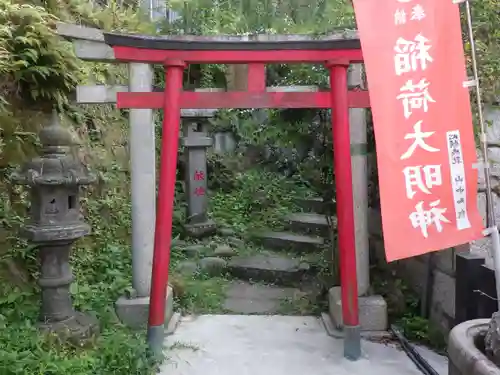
[176, 54]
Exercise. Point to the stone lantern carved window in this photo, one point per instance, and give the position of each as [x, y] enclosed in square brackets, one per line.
[72, 202]
[51, 206]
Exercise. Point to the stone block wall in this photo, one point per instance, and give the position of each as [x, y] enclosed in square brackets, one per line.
[428, 275]
[436, 273]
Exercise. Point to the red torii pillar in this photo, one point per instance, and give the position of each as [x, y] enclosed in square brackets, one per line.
[175, 54]
[345, 206]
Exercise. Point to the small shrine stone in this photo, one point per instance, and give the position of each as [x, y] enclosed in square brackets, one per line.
[194, 251]
[213, 266]
[224, 251]
[187, 267]
[179, 243]
[236, 242]
[227, 232]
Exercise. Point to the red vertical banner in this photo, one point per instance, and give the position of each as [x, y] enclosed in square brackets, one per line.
[426, 153]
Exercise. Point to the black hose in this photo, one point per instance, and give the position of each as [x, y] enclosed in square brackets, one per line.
[413, 354]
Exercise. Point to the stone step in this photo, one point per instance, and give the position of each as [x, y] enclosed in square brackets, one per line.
[246, 298]
[309, 223]
[269, 268]
[316, 205]
[290, 241]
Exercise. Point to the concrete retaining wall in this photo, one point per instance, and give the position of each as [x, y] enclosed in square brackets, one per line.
[415, 271]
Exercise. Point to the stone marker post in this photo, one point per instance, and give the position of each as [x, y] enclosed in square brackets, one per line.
[357, 118]
[196, 142]
[54, 224]
[133, 308]
[372, 308]
[143, 176]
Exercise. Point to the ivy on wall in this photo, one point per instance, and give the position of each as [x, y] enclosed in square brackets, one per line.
[486, 18]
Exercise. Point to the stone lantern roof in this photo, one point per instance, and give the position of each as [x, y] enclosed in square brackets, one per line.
[56, 166]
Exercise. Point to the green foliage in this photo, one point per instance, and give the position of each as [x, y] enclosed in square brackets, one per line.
[210, 17]
[256, 199]
[259, 201]
[486, 18]
[421, 330]
[304, 134]
[291, 129]
[102, 267]
[116, 351]
[35, 64]
[404, 310]
[201, 294]
[39, 68]
[37, 71]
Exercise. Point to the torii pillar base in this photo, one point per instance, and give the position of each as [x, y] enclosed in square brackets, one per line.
[372, 311]
[133, 311]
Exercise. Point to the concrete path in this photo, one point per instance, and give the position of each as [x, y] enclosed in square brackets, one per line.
[275, 345]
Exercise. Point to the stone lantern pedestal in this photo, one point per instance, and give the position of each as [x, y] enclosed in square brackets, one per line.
[54, 224]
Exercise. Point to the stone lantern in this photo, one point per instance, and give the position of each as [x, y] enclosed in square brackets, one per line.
[54, 224]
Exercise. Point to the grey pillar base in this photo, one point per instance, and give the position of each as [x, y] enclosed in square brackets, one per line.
[372, 311]
[78, 329]
[157, 335]
[203, 229]
[339, 333]
[352, 343]
[134, 312]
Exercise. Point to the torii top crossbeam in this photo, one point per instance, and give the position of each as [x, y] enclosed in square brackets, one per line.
[255, 52]
[225, 50]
